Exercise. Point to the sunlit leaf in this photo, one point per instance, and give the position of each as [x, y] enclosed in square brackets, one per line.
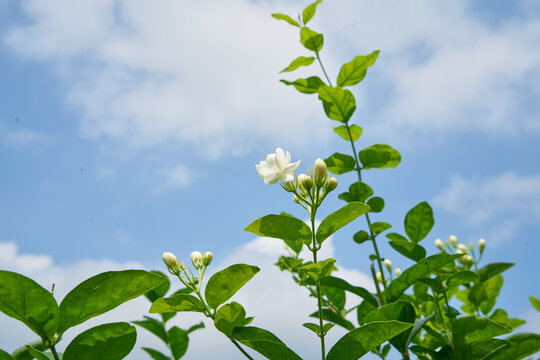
[309, 11]
[225, 283]
[298, 62]
[353, 72]
[265, 343]
[339, 104]
[311, 40]
[307, 86]
[355, 132]
[286, 18]
[291, 230]
[340, 163]
[419, 221]
[379, 156]
[339, 219]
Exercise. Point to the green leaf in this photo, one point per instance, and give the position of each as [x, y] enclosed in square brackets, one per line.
[484, 349]
[265, 343]
[419, 221]
[467, 330]
[307, 86]
[338, 319]
[154, 326]
[363, 309]
[361, 237]
[339, 219]
[522, 345]
[178, 340]
[339, 104]
[311, 40]
[155, 355]
[230, 316]
[418, 325]
[358, 191]
[461, 277]
[176, 303]
[404, 247]
[22, 352]
[416, 272]
[319, 270]
[401, 311]
[340, 163]
[335, 296]
[25, 300]
[37, 354]
[161, 290]
[309, 11]
[357, 290]
[491, 270]
[291, 230]
[501, 317]
[376, 204]
[379, 156]
[313, 327]
[225, 283]
[286, 18]
[379, 227]
[4, 355]
[360, 341]
[492, 289]
[353, 72]
[112, 341]
[341, 130]
[535, 302]
[298, 62]
[195, 327]
[102, 293]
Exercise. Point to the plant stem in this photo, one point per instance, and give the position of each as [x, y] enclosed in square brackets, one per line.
[53, 351]
[322, 67]
[240, 348]
[317, 284]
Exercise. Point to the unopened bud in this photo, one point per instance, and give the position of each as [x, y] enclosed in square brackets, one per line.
[379, 276]
[196, 259]
[468, 260]
[207, 258]
[331, 184]
[453, 240]
[296, 199]
[388, 264]
[439, 244]
[305, 182]
[397, 271]
[481, 245]
[171, 261]
[463, 248]
[320, 171]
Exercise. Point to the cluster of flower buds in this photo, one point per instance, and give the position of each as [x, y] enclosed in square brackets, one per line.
[200, 262]
[468, 259]
[312, 188]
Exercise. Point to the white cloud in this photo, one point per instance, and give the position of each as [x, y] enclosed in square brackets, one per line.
[502, 203]
[178, 176]
[24, 138]
[277, 303]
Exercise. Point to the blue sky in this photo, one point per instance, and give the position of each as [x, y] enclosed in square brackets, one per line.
[128, 129]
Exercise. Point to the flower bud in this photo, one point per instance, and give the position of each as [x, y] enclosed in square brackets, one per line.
[388, 264]
[320, 171]
[439, 244]
[379, 276]
[197, 259]
[453, 240]
[468, 260]
[481, 245]
[207, 258]
[305, 182]
[171, 261]
[463, 248]
[331, 184]
[397, 271]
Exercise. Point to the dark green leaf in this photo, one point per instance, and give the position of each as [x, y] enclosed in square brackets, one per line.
[490, 270]
[176, 303]
[415, 272]
[313, 327]
[522, 345]
[25, 300]
[467, 330]
[535, 302]
[332, 316]
[37, 354]
[419, 221]
[311, 40]
[360, 341]
[339, 219]
[484, 349]
[309, 11]
[339, 104]
[112, 341]
[335, 296]
[291, 230]
[161, 290]
[492, 289]
[353, 72]
[341, 130]
[178, 340]
[155, 355]
[362, 310]
[376, 204]
[361, 236]
[358, 191]
[418, 325]
[154, 326]
[298, 62]
[286, 18]
[102, 293]
[379, 227]
[379, 156]
[196, 327]
[4, 355]
[22, 352]
[225, 283]
[462, 277]
[320, 270]
[357, 290]
[340, 163]
[501, 317]
[230, 316]
[404, 247]
[265, 343]
[307, 86]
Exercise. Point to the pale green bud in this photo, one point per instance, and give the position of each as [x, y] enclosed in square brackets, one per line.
[388, 264]
[197, 259]
[379, 276]
[463, 248]
[397, 271]
[453, 240]
[305, 182]
[439, 244]
[171, 261]
[207, 258]
[481, 245]
[331, 184]
[320, 171]
[468, 260]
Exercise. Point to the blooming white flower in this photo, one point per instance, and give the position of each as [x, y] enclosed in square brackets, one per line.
[277, 166]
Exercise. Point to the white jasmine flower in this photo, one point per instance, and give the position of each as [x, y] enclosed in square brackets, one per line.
[277, 166]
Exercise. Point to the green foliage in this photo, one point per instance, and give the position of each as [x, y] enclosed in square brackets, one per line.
[380, 157]
[265, 343]
[37, 354]
[358, 191]
[307, 86]
[343, 132]
[311, 40]
[178, 342]
[230, 316]
[353, 72]
[298, 62]
[176, 303]
[491, 270]
[521, 346]
[404, 247]
[309, 11]
[340, 163]
[154, 354]
[4, 355]
[225, 283]
[535, 302]
[419, 222]
[339, 219]
[339, 104]
[286, 18]
[320, 270]
[291, 230]
[376, 204]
